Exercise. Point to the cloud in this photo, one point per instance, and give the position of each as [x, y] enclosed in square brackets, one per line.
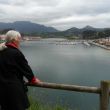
[61, 14]
[100, 20]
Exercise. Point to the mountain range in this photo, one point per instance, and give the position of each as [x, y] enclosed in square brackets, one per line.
[29, 28]
[26, 27]
[86, 28]
[76, 31]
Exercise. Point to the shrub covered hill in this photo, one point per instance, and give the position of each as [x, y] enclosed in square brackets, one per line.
[26, 27]
[33, 29]
[88, 32]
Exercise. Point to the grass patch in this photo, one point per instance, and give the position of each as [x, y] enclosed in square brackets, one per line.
[1, 41]
[35, 105]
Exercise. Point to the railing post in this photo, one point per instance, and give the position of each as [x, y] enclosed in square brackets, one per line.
[104, 95]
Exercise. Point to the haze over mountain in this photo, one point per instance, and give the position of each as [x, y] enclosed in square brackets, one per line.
[74, 29]
[78, 31]
[27, 27]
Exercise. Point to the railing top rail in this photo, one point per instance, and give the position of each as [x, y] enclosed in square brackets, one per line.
[103, 91]
[77, 88]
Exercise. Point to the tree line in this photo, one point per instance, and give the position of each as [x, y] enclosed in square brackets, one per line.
[91, 34]
[86, 34]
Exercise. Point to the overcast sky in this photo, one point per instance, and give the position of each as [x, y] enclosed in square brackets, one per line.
[61, 14]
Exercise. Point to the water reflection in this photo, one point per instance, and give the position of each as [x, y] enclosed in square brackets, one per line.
[70, 64]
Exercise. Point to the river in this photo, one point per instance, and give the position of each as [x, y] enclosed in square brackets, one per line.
[67, 64]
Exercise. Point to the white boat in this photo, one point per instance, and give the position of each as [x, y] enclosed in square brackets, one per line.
[86, 43]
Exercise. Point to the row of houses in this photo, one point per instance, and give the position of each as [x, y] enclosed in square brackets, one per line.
[2, 37]
[31, 38]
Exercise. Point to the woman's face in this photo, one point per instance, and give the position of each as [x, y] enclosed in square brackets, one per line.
[18, 41]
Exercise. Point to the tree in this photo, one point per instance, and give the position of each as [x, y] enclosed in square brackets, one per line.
[89, 34]
[101, 34]
[107, 32]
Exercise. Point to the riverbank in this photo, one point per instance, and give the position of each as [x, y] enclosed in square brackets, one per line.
[99, 45]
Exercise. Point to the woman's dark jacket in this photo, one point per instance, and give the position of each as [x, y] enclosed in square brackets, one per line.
[13, 67]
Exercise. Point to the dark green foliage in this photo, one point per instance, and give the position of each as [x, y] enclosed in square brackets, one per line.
[5, 30]
[88, 34]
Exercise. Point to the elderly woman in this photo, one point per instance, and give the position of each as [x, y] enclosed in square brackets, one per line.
[13, 68]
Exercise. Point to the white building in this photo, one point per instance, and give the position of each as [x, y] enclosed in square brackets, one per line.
[2, 37]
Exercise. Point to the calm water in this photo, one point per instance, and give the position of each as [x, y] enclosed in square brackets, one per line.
[68, 64]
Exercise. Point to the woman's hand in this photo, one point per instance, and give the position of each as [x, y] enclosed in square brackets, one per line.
[35, 80]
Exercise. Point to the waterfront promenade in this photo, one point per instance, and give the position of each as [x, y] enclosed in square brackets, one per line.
[99, 45]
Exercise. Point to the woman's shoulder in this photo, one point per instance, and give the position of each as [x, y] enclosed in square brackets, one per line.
[14, 51]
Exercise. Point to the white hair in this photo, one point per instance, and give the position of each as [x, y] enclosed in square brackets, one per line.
[12, 35]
